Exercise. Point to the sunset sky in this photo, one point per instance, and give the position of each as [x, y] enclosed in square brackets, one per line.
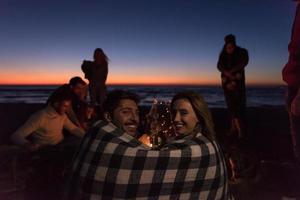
[147, 41]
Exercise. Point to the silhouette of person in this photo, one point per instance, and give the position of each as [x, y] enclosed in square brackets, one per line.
[96, 72]
[232, 61]
[291, 75]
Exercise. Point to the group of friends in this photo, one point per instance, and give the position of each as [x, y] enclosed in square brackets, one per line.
[113, 161]
[67, 108]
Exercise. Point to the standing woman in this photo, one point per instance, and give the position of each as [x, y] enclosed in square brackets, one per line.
[96, 72]
[232, 61]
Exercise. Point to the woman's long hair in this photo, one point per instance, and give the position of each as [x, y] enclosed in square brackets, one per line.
[104, 58]
[202, 112]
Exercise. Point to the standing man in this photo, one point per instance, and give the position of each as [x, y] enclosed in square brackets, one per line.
[291, 75]
[232, 61]
[96, 72]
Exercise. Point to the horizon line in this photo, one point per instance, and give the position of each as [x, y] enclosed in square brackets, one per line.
[147, 84]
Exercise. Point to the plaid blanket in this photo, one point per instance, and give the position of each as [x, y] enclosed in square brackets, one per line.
[113, 165]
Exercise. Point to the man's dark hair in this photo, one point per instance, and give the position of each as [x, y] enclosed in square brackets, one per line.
[230, 39]
[76, 80]
[114, 97]
[63, 93]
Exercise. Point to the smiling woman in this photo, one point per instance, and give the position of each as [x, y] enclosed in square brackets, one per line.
[191, 115]
[184, 117]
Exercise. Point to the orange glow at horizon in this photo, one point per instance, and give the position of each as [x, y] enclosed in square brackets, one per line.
[63, 78]
[21, 79]
[28, 78]
[44, 77]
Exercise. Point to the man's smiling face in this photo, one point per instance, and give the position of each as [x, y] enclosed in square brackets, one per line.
[126, 116]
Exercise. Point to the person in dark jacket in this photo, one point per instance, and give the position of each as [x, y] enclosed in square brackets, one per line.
[96, 72]
[291, 75]
[232, 61]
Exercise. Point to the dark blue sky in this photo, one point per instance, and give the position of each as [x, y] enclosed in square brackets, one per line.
[149, 41]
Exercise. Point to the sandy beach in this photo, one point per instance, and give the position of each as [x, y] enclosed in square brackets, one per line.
[267, 126]
[269, 140]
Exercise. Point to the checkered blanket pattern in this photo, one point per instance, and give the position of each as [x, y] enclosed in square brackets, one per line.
[114, 165]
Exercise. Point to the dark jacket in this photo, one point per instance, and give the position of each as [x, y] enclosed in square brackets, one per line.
[238, 60]
[96, 74]
[86, 68]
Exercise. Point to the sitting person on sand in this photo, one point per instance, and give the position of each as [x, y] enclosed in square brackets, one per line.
[45, 127]
[78, 89]
[86, 115]
[113, 164]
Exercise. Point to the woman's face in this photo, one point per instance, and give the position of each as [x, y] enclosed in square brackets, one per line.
[184, 116]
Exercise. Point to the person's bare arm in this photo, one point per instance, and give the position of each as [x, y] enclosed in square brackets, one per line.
[72, 128]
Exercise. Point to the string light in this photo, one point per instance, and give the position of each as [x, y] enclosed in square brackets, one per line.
[158, 123]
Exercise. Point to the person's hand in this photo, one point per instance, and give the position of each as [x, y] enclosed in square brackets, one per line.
[238, 76]
[231, 86]
[229, 75]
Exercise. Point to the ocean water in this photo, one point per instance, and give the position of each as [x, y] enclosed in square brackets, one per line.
[256, 96]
